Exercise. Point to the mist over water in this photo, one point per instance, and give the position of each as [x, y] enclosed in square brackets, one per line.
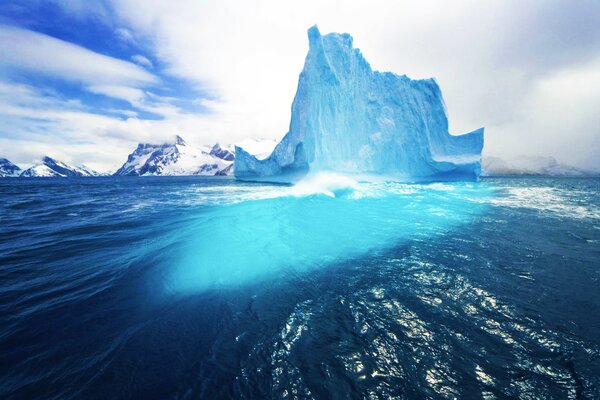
[211, 288]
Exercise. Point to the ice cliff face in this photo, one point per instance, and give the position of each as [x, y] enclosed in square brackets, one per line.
[348, 118]
[7, 168]
[53, 168]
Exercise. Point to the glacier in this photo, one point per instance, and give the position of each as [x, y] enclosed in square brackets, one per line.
[350, 119]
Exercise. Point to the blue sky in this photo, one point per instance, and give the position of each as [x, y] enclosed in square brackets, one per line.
[126, 59]
[85, 81]
[64, 72]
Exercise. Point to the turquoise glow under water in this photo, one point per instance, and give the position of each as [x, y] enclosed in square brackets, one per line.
[324, 221]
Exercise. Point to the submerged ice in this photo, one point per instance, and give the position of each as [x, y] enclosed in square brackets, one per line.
[348, 118]
[273, 232]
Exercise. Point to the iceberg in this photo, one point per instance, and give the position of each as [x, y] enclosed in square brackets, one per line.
[348, 118]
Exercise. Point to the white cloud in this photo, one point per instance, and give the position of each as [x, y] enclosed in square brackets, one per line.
[145, 101]
[125, 35]
[565, 104]
[132, 95]
[26, 50]
[141, 60]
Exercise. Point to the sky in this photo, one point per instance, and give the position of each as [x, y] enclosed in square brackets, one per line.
[85, 81]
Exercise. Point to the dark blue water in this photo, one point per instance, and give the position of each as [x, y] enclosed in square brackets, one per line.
[187, 288]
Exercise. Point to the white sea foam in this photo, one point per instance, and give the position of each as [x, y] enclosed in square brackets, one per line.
[549, 200]
[327, 183]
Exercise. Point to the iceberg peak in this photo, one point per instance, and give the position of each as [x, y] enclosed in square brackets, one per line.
[313, 34]
[349, 119]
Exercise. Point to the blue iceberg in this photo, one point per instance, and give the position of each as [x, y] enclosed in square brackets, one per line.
[349, 119]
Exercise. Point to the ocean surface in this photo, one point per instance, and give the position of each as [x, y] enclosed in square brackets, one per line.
[188, 288]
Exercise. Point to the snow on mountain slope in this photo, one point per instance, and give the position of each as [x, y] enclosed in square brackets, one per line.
[54, 168]
[66, 169]
[7, 168]
[41, 171]
[181, 158]
[177, 158]
[224, 153]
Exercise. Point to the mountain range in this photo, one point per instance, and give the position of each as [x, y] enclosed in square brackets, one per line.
[176, 158]
[529, 166]
[49, 167]
[179, 158]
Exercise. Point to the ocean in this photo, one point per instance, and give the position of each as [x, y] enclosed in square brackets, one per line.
[191, 287]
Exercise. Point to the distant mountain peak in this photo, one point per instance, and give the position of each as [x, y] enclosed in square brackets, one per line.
[181, 158]
[175, 158]
[51, 167]
[222, 153]
[179, 140]
[7, 168]
[529, 166]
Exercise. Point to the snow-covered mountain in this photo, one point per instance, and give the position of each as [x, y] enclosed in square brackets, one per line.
[529, 165]
[181, 158]
[226, 154]
[177, 158]
[54, 168]
[7, 168]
